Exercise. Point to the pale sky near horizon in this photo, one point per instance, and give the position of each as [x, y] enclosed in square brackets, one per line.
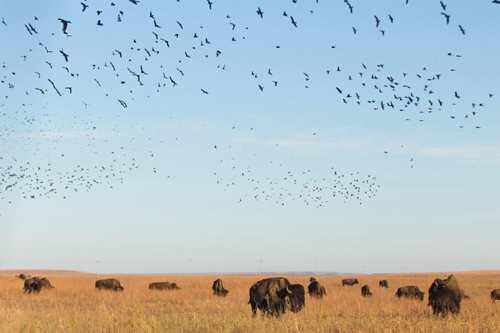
[170, 216]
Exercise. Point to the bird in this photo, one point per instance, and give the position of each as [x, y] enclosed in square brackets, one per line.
[351, 8]
[204, 91]
[260, 12]
[294, 23]
[84, 6]
[447, 17]
[65, 55]
[123, 103]
[210, 3]
[377, 21]
[64, 25]
[462, 30]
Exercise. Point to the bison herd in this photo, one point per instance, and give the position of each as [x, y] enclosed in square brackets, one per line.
[274, 296]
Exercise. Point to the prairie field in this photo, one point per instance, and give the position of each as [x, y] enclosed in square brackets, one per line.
[75, 306]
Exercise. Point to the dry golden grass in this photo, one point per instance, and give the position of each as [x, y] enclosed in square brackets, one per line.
[74, 306]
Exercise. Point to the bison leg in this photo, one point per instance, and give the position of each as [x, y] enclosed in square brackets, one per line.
[254, 308]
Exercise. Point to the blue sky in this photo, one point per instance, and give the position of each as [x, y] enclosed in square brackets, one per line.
[440, 215]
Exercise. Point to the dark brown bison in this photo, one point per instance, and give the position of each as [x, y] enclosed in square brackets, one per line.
[295, 295]
[36, 284]
[349, 282]
[163, 286]
[109, 284]
[495, 295]
[445, 296]
[269, 296]
[32, 285]
[383, 284]
[218, 288]
[410, 292]
[315, 289]
[365, 291]
[23, 276]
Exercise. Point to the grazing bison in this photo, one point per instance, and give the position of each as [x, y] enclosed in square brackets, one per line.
[365, 291]
[23, 276]
[163, 286]
[269, 296]
[315, 289]
[109, 284]
[32, 285]
[495, 295]
[218, 288]
[36, 284]
[445, 296]
[349, 282]
[296, 296]
[383, 284]
[410, 292]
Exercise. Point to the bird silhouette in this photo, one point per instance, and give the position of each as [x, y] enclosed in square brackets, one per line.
[260, 12]
[65, 24]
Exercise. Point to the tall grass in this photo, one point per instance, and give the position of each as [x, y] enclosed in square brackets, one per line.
[75, 306]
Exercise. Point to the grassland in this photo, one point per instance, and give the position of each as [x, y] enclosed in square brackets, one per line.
[75, 306]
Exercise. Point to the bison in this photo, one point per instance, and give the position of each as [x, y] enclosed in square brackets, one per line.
[445, 296]
[349, 282]
[495, 295]
[218, 288]
[36, 284]
[109, 284]
[32, 285]
[23, 276]
[383, 284]
[410, 292]
[315, 289]
[365, 291]
[268, 296]
[163, 286]
[295, 294]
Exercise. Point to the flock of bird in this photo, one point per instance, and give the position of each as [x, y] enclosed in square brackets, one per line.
[281, 187]
[139, 66]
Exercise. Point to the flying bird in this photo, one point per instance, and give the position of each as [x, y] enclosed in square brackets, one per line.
[84, 6]
[447, 17]
[351, 8]
[260, 12]
[65, 55]
[64, 25]
[462, 29]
